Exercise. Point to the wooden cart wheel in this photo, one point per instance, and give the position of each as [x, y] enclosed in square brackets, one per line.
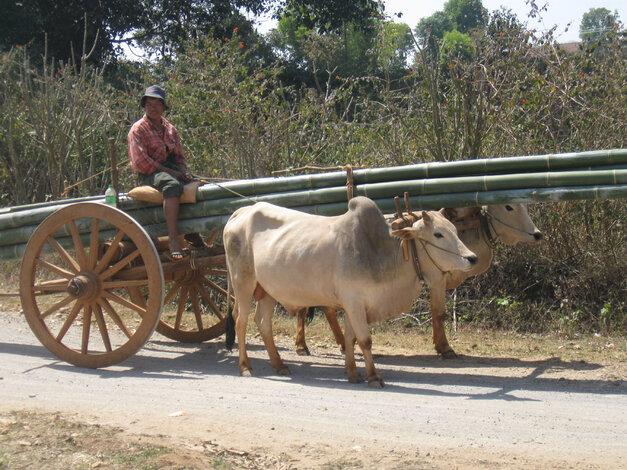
[72, 295]
[194, 308]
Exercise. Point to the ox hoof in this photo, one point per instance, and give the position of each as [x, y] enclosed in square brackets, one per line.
[355, 379]
[376, 383]
[246, 372]
[284, 371]
[450, 354]
[303, 352]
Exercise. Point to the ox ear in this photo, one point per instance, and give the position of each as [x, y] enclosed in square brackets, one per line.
[405, 233]
[426, 218]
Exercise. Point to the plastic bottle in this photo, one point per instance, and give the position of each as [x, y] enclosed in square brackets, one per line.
[111, 196]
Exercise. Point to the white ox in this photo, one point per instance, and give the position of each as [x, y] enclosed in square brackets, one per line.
[352, 262]
[479, 228]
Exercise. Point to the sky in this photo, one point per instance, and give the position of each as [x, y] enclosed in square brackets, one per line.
[558, 12]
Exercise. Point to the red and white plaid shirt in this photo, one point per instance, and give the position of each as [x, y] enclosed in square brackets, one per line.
[147, 145]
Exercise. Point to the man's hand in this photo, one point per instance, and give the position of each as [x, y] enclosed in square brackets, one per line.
[186, 176]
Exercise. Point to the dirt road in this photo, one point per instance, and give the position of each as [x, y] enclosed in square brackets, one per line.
[469, 413]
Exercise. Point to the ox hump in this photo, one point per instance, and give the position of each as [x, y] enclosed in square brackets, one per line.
[365, 241]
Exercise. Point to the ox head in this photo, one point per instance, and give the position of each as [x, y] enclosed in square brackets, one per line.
[511, 224]
[438, 237]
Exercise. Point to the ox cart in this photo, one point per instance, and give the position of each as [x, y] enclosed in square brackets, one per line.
[95, 284]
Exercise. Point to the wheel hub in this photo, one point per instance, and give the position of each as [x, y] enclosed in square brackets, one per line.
[84, 286]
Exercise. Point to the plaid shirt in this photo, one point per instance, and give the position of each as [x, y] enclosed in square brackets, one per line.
[147, 145]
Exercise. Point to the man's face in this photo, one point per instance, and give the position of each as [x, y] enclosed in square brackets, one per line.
[154, 107]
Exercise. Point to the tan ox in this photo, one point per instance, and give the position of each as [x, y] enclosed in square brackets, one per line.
[352, 262]
[480, 228]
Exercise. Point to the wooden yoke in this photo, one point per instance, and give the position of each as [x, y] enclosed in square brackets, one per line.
[350, 182]
[468, 219]
[404, 220]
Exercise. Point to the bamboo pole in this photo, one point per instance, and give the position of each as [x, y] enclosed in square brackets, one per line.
[23, 224]
[263, 186]
[427, 202]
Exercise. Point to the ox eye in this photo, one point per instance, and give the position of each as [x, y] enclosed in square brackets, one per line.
[438, 235]
[509, 208]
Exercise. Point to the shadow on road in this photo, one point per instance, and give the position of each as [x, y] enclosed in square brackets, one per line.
[483, 378]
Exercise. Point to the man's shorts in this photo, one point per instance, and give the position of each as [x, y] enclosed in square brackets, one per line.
[167, 184]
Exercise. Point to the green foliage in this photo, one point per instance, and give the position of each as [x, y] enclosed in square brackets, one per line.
[62, 28]
[597, 23]
[494, 91]
[459, 15]
[333, 15]
[457, 45]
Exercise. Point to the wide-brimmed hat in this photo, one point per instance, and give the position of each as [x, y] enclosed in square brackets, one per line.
[154, 91]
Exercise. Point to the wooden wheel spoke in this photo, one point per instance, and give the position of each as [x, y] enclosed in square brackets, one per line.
[207, 298]
[124, 284]
[54, 268]
[93, 243]
[86, 329]
[78, 245]
[125, 303]
[57, 306]
[71, 262]
[56, 285]
[219, 272]
[108, 255]
[172, 292]
[213, 285]
[102, 326]
[181, 307]
[68, 321]
[196, 308]
[120, 264]
[104, 304]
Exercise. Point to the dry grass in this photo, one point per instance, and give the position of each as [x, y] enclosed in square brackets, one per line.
[470, 340]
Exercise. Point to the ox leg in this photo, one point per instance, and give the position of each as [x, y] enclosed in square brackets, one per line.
[349, 355]
[243, 304]
[263, 319]
[361, 331]
[437, 298]
[301, 345]
[331, 315]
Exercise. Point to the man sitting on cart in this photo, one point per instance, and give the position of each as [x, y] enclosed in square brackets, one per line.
[156, 155]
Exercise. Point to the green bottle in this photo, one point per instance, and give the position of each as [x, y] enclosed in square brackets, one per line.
[111, 197]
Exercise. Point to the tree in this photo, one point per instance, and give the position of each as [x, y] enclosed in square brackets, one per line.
[333, 15]
[461, 15]
[596, 22]
[64, 27]
[328, 37]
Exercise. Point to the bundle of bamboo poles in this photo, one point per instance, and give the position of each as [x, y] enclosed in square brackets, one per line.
[542, 178]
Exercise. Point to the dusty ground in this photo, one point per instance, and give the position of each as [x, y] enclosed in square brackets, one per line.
[497, 411]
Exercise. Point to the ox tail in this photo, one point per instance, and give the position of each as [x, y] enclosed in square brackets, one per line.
[230, 321]
[230, 330]
[310, 314]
